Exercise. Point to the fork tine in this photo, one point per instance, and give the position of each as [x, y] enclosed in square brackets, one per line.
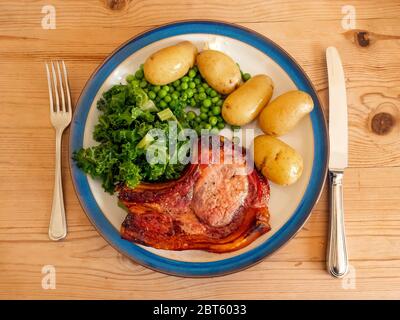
[50, 90]
[55, 87]
[61, 88]
[67, 86]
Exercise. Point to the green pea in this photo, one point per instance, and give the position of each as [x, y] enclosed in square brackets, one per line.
[192, 73]
[201, 89]
[130, 78]
[221, 125]
[189, 93]
[216, 110]
[203, 109]
[163, 104]
[190, 115]
[205, 85]
[185, 79]
[197, 119]
[184, 86]
[197, 81]
[176, 83]
[207, 126]
[175, 95]
[143, 84]
[151, 95]
[213, 120]
[184, 96]
[210, 114]
[135, 83]
[203, 116]
[213, 93]
[215, 99]
[208, 91]
[192, 102]
[167, 98]
[162, 93]
[220, 119]
[192, 85]
[166, 88]
[246, 76]
[214, 130]
[173, 103]
[156, 89]
[139, 74]
[207, 103]
[219, 103]
[202, 96]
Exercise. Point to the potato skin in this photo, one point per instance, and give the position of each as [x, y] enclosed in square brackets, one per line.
[244, 104]
[219, 70]
[170, 63]
[284, 112]
[276, 160]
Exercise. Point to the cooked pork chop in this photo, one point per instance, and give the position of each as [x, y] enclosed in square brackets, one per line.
[218, 206]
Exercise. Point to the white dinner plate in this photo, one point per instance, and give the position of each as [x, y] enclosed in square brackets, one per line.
[289, 206]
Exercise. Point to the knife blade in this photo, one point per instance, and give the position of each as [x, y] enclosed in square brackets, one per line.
[337, 260]
[338, 131]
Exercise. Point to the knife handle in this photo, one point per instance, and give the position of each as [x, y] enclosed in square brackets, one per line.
[337, 253]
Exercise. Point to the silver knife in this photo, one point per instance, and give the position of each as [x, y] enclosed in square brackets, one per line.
[337, 263]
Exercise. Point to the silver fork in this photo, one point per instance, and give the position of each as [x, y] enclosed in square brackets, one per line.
[60, 116]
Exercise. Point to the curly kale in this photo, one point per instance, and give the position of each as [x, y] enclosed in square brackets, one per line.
[127, 116]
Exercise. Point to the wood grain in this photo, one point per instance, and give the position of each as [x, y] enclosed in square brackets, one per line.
[87, 267]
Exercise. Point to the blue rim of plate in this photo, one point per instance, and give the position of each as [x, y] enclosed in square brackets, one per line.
[244, 260]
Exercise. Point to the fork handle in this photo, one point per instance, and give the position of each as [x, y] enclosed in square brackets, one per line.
[337, 252]
[58, 225]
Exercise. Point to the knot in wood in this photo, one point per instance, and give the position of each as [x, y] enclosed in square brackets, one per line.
[362, 38]
[382, 123]
[116, 5]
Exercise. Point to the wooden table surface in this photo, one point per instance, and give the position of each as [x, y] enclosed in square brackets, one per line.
[87, 32]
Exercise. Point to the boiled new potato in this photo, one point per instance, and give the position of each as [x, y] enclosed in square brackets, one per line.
[284, 112]
[276, 160]
[244, 104]
[170, 63]
[219, 70]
